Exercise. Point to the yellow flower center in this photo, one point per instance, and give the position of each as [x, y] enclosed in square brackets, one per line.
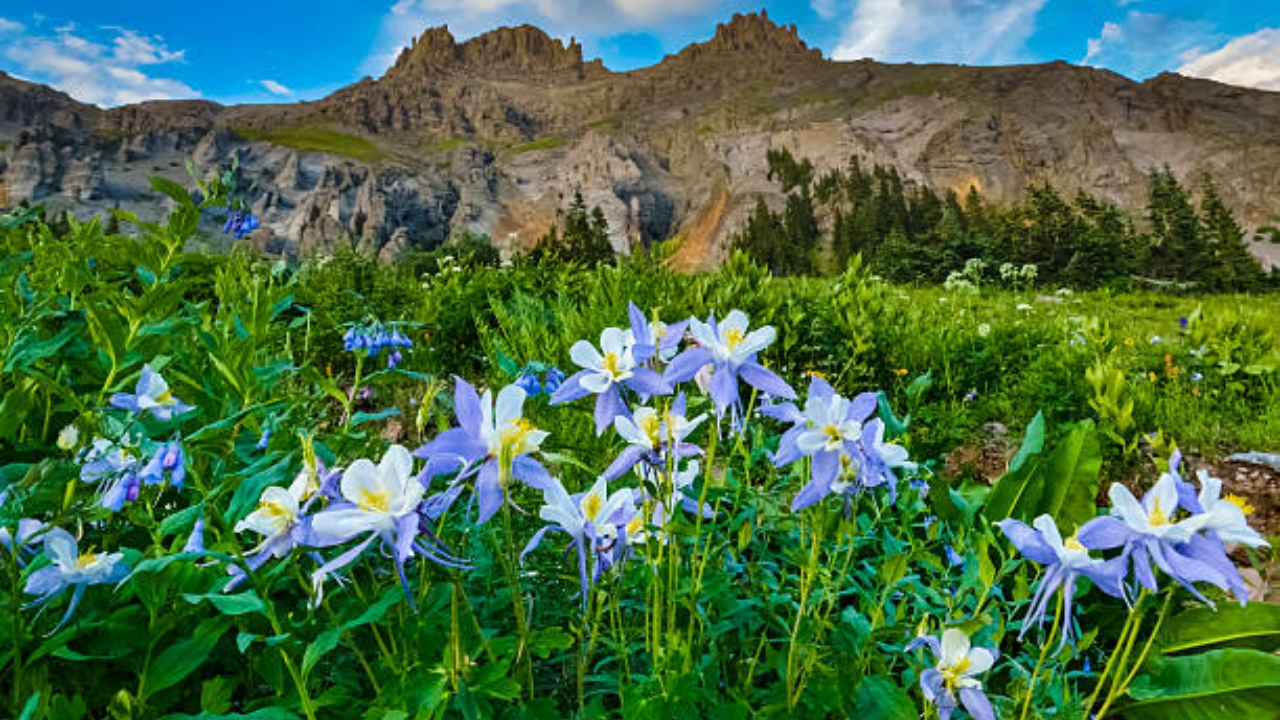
[275, 510]
[1072, 543]
[165, 398]
[1158, 517]
[634, 526]
[611, 364]
[374, 500]
[86, 559]
[1240, 502]
[733, 338]
[591, 505]
[651, 426]
[515, 434]
[832, 431]
[952, 674]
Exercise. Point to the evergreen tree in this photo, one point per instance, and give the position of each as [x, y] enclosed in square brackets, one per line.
[1178, 248]
[1233, 267]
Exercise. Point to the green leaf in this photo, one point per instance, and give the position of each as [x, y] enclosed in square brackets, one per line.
[239, 604]
[880, 699]
[1230, 684]
[1032, 444]
[29, 709]
[363, 417]
[267, 713]
[1203, 626]
[1070, 477]
[173, 190]
[329, 639]
[183, 657]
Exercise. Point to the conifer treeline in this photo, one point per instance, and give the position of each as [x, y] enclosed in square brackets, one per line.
[911, 234]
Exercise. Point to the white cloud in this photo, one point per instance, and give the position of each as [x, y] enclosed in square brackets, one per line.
[275, 88]
[967, 31]
[560, 18]
[1144, 44]
[1251, 61]
[9, 26]
[105, 68]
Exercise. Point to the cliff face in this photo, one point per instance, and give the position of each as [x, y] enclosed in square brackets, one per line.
[492, 135]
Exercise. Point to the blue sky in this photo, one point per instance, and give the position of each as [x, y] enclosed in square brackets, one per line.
[122, 51]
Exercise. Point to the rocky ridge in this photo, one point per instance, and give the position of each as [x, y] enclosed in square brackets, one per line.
[492, 135]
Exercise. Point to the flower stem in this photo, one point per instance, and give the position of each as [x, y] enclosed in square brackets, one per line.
[1119, 687]
[1044, 654]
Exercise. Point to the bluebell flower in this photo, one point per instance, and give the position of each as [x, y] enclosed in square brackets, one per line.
[114, 469]
[553, 380]
[528, 382]
[616, 364]
[1064, 561]
[239, 224]
[195, 541]
[379, 502]
[954, 559]
[493, 442]
[170, 460]
[730, 350]
[1182, 322]
[152, 394]
[264, 439]
[69, 569]
[953, 680]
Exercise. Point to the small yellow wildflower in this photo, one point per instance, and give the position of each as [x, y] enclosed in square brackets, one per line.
[1239, 502]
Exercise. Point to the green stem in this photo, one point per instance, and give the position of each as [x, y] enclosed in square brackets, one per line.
[1044, 654]
[1118, 687]
[1118, 659]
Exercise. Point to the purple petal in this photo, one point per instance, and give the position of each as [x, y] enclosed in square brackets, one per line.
[648, 382]
[571, 389]
[783, 412]
[1028, 541]
[456, 442]
[765, 381]
[1104, 533]
[863, 406]
[687, 364]
[466, 405]
[724, 388]
[531, 473]
[1109, 576]
[975, 701]
[125, 401]
[488, 491]
[609, 405]
[931, 683]
[624, 462]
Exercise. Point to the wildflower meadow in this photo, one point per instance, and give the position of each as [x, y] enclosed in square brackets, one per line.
[236, 487]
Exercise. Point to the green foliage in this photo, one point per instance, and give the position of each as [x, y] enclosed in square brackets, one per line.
[311, 138]
[578, 236]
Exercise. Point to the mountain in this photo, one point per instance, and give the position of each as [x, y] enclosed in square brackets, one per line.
[494, 134]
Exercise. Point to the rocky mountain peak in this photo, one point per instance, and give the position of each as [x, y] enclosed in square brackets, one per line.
[755, 33]
[525, 49]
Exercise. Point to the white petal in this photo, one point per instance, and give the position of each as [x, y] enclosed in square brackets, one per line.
[596, 382]
[811, 441]
[1164, 494]
[613, 340]
[343, 524]
[396, 465]
[361, 479]
[1210, 490]
[1125, 506]
[980, 661]
[509, 406]
[736, 320]
[628, 431]
[586, 356]
[61, 548]
[1049, 531]
[701, 332]
[757, 340]
[955, 647]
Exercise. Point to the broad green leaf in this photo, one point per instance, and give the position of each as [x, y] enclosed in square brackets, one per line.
[238, 604]
[1230, 684]
[1203, 626]
[1069, 488]
[173, 190]
[274, 712]
[1032, 443]
[182, 658]
[879, 698]
[329, 639]
[363, 417]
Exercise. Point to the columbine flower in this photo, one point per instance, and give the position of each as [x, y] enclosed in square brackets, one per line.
[382, 501]
[69, 568]
[731, 352]
[1225, 515]
[28, 536]
[955, 674]
[278, 519]
[1064, 561]
[654, 438]
[605, 371]
[829, 431]
[152, 395]
[492, 441]
[655, 339]
[593, 520]
[115, 470]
